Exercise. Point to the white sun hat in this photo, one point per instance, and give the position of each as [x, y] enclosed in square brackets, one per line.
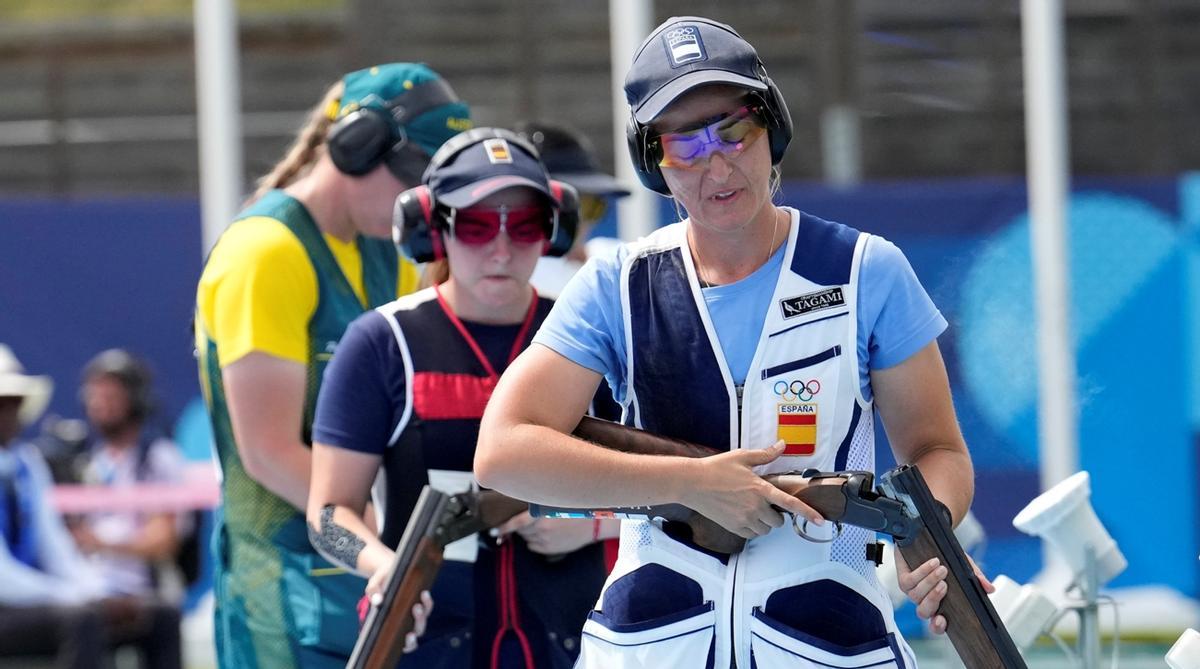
[35, 391]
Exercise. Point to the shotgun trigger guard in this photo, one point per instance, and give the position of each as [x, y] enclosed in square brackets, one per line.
[800, 524]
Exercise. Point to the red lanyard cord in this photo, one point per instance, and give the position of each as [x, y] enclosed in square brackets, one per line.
[510, 612]
[506, 582]
[518, 343]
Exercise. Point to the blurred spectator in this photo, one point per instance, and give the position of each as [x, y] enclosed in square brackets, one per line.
[63, 443]
[568, 157]
[127, 546]
[52, 602]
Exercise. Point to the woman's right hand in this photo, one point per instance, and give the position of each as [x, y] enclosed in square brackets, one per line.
[420, 611]
[725, 489]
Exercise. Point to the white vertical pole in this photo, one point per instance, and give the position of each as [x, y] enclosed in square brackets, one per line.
[1047, 166]
[218, 103]
[629, 22]
[841, 145]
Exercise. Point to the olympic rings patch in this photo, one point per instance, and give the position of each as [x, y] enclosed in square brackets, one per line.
[797, 390]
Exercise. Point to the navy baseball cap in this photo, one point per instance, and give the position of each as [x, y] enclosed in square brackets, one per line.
[489, 164]
[683, 53]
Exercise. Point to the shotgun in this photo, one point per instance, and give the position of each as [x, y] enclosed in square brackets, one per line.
[901, 506]
[437, 520]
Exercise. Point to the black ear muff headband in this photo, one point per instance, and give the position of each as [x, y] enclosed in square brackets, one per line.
[418, 221]
[360, 140]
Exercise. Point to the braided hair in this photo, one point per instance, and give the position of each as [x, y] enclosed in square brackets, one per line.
[306, 149]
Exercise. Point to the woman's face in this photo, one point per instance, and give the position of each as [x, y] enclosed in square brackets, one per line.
[496, 272]
[723, 192]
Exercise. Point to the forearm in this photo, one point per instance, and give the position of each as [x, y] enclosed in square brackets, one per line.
[545, 466]
[284, 471]
[913, 399]
[950, 476]
[265, 396]
[344, 538]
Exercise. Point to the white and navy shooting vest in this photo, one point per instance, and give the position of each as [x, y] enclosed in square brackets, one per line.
[509, 593]
[784, 601]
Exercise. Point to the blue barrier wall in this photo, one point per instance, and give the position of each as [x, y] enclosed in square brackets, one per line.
[1129, 241]
[79, 276]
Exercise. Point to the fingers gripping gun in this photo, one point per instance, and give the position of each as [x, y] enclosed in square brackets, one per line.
[972, 623]
[902, 506]
[436, 521]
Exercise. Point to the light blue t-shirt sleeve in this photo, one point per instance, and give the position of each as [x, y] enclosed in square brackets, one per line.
[896, 317]
[585, 325]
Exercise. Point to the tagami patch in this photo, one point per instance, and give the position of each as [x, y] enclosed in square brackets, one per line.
[810, 302]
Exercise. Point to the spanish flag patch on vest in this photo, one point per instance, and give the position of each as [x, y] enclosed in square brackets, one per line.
[798, 428]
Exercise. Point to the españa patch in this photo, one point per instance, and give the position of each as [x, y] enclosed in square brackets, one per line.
[809, 302]
[797, 427]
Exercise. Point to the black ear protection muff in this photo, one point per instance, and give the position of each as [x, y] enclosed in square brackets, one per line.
[645, 155]
[418, 221]
[362, 139]
[563, 237]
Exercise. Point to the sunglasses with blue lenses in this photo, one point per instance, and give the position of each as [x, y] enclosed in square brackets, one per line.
[729, 134]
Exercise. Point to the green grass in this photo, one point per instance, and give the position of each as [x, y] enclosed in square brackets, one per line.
[42, 10]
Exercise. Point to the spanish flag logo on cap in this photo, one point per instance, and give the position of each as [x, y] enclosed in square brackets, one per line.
[497, 151]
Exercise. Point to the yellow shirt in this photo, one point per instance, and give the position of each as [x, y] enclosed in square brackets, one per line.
[259, 290]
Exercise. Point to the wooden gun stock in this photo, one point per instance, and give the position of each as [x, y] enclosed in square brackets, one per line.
[418, 558]
[974, 627]
[437, 520]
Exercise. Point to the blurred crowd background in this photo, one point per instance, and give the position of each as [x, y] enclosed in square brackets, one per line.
[909, 123]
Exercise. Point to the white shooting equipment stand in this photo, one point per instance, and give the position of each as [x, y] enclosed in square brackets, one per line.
[1064, 518]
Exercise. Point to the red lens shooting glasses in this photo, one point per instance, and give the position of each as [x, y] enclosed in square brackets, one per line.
[476, 226]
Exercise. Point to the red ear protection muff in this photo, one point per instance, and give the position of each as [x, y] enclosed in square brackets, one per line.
[413, 227]
[417, 223]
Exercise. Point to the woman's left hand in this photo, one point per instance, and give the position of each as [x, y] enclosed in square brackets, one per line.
[926, 586]
[550, 536]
